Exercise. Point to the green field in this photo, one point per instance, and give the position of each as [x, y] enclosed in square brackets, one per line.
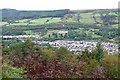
[85, 18]
[115, 26]
[83, 23]
[54, 20]
[3, 23]
[29, 32]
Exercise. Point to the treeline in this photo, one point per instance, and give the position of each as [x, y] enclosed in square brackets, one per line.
[105, 33]
[12, 14]
[100, 10]
[26, 60]
[14, 30]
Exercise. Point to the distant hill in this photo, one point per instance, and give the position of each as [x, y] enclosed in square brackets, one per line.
[80, 24]
[12, 14]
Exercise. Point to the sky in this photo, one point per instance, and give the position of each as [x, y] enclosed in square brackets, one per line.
[58, 4]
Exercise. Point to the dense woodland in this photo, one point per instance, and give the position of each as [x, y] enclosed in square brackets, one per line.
[27, 60]
[12, 14]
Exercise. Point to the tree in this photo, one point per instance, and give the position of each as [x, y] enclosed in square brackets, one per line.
[62, 53]
[99, 52]
[66, 35]
[10, 22]
[28, 44]
[78, 17]
[27, 47]
[111, 66]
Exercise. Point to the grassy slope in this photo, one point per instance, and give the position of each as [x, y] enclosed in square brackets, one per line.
[85, 18]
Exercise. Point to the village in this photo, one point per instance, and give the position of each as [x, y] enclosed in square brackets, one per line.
[74, 46]
[79, 46]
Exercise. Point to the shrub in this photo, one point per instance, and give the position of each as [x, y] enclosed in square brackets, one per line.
[12, 72]
[110, 63]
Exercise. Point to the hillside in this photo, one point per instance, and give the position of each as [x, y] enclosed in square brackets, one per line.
[12, 14]
[60, 44]
[80, 24]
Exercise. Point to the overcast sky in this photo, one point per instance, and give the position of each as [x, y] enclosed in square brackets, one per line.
[58, 4]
